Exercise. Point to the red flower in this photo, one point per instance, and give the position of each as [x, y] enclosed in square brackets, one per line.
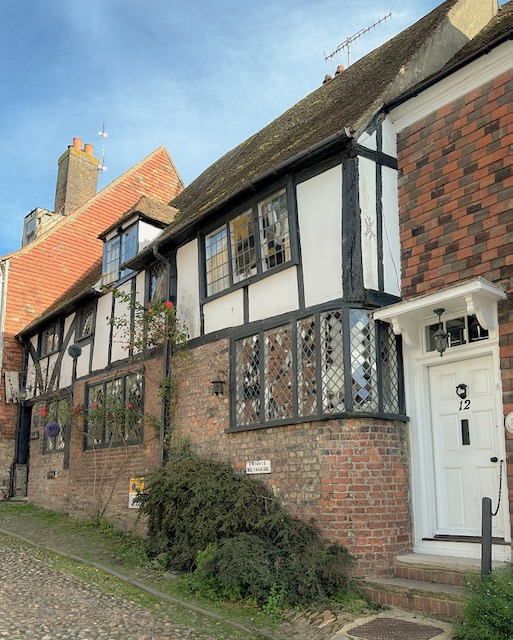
[129, 406]
[169, 304]
[43, 411]
[76, 409]
[95, 406]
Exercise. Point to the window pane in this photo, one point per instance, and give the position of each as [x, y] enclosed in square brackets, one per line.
[111, 260]
[216, 250]
[114, 410]
[389, 368]
[95, 416]
[242, 238]
[475, 330]
[128, 248]
[50, 340]
[247, 353]
[133, 406]
[158, 282]
[274, 231]
[307, 366]
[456, 331]
[278, 396]
[332, 358]
[86, 321]
[363, 361]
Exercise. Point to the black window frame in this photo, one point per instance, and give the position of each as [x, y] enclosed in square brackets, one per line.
[105, 442]
[319, 376]
[149, 294]
[225, 224]
[114, 276]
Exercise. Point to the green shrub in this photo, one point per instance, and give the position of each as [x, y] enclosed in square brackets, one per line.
[237, 537]
[488, 612]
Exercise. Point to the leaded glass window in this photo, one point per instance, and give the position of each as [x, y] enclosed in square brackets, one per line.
[251, 243]
[86, 327]
[217, 265]
[56, 412]
[331, 363]
[50, 339]
[158, 282]
[115, 412]
[274, 231]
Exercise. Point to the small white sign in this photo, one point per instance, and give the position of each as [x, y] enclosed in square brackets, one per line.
[258, 466]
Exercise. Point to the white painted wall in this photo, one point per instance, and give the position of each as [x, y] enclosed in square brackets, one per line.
[147, 233]
[187, 304]
[319, 202]
[391, 240]
[102, 333]
[83, 361]
[227, 311]
[369, 229]
[119, 337]
[368, 141]
[389, 138]
[273, 295]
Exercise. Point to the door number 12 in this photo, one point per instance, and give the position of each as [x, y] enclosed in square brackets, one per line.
[464, 404]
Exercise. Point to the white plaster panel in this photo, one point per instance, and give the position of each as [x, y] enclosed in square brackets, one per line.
[119, 337]
[369, 222]
[227, 311]
[391, 240]
[273, 295]
[66, 370]
[319, 202]
[368, 141]
[140, 287]
[83, 361]
[389, 142]
[187, 304]
[147, 233]
[102, 332]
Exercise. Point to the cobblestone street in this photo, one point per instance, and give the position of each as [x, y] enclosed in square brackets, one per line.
[44, 603]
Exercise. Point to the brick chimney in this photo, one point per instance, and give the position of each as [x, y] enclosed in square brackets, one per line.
[77, 178]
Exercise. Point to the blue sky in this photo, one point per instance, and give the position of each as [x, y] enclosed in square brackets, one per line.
[198, 77]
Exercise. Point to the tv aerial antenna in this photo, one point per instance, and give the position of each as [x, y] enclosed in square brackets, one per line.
[349, 41]
[103, 134]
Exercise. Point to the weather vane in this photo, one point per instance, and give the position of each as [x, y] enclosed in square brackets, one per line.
[103, 134]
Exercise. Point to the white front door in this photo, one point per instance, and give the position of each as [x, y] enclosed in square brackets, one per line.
[466, 445]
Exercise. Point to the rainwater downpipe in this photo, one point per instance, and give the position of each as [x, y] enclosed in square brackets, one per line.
[166, 366]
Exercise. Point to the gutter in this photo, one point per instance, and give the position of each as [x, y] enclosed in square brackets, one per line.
[444, 73]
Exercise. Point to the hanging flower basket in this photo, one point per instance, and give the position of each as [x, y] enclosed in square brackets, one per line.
[52, 429]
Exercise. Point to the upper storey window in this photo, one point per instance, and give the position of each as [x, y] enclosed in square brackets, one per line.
[116, 251]
[251, 243]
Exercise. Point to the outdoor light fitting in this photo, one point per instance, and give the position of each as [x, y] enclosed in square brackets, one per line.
[440, 337]
[218, 386]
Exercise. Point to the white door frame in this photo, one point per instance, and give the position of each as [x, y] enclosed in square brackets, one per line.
[410, 319]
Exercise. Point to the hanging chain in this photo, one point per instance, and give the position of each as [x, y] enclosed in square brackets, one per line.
[500, 490]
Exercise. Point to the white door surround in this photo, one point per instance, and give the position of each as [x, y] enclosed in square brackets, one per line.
[437, 477]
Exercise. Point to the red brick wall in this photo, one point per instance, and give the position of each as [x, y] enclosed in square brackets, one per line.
[351, 476]
[456, 205]
[100, 475]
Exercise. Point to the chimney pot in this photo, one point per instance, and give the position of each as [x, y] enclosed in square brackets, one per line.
[339, 70]
[77, 144]
[88, 148]
[327, 78]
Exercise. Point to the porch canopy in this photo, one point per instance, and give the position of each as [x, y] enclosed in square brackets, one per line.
[477, 297]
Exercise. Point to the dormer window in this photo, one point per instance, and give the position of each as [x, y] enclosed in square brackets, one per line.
[251, 243]
[116, 251]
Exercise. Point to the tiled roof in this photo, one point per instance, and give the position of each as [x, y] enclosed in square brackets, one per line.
[41, 271]
[146, 208]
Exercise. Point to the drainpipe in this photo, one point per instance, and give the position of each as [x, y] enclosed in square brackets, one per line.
[166, 366]
[4, 266]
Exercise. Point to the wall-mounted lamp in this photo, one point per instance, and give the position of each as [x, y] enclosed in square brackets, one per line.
[75, 351]
[219, 385]
[440, 337]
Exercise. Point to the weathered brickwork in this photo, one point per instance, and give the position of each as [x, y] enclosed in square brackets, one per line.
[350, 476]
[96, 478]
[456, 206]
